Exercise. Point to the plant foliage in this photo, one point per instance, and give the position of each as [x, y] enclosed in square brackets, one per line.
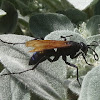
[24, 20]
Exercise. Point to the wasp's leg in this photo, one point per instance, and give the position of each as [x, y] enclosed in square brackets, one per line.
[56, 56]
[72, 65]
[65, 37]
[11, 43]
[20, 43]
[27, 69]
[53, 60]
[72, 57]
[86, 60]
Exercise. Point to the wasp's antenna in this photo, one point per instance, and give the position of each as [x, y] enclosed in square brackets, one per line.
[96, 57]
[25, 70]
[11, 43]
[65, 37]
[94, 44]
[20, 43]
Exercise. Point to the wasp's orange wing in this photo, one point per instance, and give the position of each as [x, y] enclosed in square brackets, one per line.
[40, 45]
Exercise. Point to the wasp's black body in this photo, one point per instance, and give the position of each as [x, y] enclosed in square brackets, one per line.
[37, 56]
[74, 50]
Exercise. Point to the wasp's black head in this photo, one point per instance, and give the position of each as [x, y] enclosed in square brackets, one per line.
[84, 47]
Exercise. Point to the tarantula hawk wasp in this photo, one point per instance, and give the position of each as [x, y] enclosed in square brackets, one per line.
[44, 49]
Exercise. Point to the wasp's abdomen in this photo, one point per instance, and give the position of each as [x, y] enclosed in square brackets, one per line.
[35, 58]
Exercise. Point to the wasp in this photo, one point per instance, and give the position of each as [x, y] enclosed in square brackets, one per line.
[44, 49]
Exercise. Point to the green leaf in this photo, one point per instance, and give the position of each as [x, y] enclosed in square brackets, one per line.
[97, 8]
[9, 21]
[73, 89]
[53, 5]
[42, 24]
[76, 37]
[12, 89]
[91, 85]
[93, 38]
[23, 7]
[74, 15]
[93, 25]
